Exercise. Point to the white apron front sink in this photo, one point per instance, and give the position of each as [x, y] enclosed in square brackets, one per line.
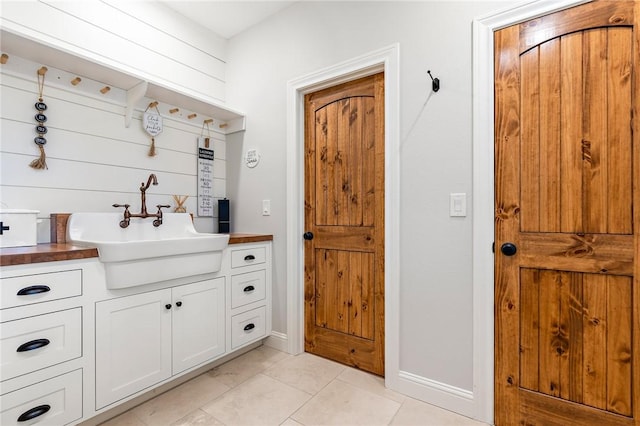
[143, 254]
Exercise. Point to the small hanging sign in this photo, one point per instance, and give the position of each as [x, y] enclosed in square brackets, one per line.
[41, 129]
[152, 124]
[205, 178]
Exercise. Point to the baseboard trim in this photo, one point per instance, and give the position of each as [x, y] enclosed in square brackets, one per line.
[430, 391]
[277, 340]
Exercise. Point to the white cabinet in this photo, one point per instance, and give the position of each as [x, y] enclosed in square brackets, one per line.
[42, 356]
[250, 310]
[145, 338]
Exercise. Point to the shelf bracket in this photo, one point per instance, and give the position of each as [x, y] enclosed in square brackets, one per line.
[134, 94]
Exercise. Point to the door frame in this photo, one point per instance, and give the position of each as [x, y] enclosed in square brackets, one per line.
[483, 190]
[388, 60]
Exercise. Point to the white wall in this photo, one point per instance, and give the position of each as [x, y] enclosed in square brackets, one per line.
[436, 280]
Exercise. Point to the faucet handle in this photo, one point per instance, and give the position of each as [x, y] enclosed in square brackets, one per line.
[158, 221]
[126, 206]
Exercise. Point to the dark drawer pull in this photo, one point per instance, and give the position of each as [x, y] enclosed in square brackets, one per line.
[249, 288]
[249, 326]
[33, 289]
[249, 257]
[33, 345]
[34, 412]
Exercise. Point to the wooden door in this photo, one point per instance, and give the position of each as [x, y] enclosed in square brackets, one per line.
[567, 302]
[344, 212]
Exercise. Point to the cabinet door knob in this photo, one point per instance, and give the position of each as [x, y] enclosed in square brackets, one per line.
[178, 304]
[34, 412]
[33, 289]
[168, 306]
[33, 345]
[249, 326]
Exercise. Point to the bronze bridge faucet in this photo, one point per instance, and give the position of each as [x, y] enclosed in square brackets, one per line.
[143, 208]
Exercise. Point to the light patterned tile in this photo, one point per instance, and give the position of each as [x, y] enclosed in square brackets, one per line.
[238, 370]
[290, 422]
[260, 400]
[198, 418]
[180, 401]
[415, 412]
[128, 418]
[369, 382]
[306, 372]
[340, 403]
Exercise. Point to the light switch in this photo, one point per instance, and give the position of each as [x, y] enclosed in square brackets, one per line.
[266, 207]
[457, 204]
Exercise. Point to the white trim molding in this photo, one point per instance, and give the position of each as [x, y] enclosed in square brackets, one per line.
[277, 341]
[387, 60]
[443, 395]
[483, 190]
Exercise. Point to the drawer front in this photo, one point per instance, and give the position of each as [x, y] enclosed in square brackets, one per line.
[28, 289]
[57, 401]
[248, 288]
[248, 326]
[33, 343]
[249, 256]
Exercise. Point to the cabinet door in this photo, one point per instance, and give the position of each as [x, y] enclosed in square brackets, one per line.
[198, 323]
[133, 344]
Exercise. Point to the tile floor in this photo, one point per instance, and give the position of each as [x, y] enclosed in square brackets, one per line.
[269, 387]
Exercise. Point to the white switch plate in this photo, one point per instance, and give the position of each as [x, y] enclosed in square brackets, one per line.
[458, 204]
[266, 207]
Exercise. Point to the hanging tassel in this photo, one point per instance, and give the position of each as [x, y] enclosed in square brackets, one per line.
[40, 163]
[152, 148]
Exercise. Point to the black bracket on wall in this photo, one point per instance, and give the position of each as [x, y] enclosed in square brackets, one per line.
[435, 82]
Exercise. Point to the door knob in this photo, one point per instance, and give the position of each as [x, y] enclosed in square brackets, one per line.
[508, 249]
[308, 235]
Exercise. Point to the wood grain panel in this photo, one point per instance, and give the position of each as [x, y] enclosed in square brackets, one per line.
[321, 294]
[320, 179]
[550, 136]
[333, 136]
[619, 338]
[368, 302]
[354, 193]
[539, 409]
[592, 15]
[507, 182]
[369, 171]
[529, 328]
[571, 132]
[342, 179]
[594, 141]
[595, 326]
[552, 340]
[355, 294]
[597, 253]
[530, 142]
[571, 333]
[619, 131]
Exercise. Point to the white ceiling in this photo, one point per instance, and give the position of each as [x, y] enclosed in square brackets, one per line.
[226, 18]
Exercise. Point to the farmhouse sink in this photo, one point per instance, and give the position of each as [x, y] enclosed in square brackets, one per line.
[141, 253]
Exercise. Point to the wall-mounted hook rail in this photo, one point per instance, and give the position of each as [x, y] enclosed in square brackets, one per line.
[435, 82]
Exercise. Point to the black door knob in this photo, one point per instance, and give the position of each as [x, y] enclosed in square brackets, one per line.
[308, 235]
[508, 249]
[178, 304]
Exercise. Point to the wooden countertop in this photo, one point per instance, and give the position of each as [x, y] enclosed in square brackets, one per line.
[62, 251]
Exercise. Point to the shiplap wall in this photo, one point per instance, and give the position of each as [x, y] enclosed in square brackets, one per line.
[93, 159]
[144, 39]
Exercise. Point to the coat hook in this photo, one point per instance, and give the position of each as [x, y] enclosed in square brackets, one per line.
[43, 70]
[174, 110]
[105, 89]
[153, 104]
[192, 116]
[208, 121]
[76, 81]
[4, 58]
[435, 82]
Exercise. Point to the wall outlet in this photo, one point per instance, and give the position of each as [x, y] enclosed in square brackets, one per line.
[266, 207]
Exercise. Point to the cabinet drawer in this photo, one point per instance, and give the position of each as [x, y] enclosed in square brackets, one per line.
[57, 401]
[28, 289]
[249, 256]
[247, 288]
[248, 326]
[33, 343]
